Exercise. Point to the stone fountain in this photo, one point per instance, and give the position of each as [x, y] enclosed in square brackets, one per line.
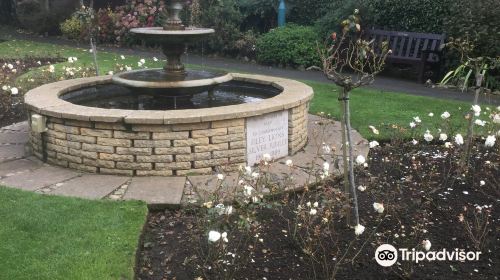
[132, 123]
[173, 79]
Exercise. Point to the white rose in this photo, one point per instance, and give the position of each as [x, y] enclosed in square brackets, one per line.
[445, 115]
[360, 159]
[373, 144]
[427, 244]
[476, 109]
[379, 207]
[428, 136]
[359, 229]
[214, 236]
[490, 141]
[459, 139]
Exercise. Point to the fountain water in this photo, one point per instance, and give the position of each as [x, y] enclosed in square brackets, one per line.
[169, 121]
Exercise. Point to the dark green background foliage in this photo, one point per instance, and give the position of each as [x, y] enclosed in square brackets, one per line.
[225, 17]
[408, 15]
[259, 15]
[480, 20]
[334, 13]
[239, 23]
[306, 12]
[292, 45]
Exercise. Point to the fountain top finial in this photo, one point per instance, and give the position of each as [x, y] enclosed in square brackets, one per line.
[174, 8]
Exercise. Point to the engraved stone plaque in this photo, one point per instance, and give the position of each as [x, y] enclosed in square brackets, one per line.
[267, 134]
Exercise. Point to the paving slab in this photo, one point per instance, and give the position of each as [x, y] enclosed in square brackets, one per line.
[11, 152]
[13, 137]
[156, 191]
[14, 167]
[205, 185]
[39, 178]
[329, 133]
[20, 126]
[289, 178]
[90, 186]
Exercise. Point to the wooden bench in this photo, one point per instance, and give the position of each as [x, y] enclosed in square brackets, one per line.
[416, 49]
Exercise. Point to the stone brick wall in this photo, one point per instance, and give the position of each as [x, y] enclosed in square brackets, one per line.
[297, 127]
[151, 149]
[142, 150]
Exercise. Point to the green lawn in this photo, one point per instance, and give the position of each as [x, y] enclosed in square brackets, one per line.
[382, 109]
[369, 107]
[17, 49]
[49, 237]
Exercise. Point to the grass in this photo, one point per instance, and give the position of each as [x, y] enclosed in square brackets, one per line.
[383, 109]
[369, 106]
[49, 237]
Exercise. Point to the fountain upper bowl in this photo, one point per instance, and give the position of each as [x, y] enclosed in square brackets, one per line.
[161, 36]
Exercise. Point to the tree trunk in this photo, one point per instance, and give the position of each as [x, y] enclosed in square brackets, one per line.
[93, 39]
[344, 155]
[351, 163]
[470, 128]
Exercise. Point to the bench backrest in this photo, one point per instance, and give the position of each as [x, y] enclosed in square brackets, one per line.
[407, 45]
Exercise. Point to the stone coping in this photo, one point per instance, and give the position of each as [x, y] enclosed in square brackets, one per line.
[46, 101]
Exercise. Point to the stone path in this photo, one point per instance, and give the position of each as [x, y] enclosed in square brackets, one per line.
[20, 170]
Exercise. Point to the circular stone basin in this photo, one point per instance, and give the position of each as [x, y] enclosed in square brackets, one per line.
[111, 96]
[150, 80]
[166, 142]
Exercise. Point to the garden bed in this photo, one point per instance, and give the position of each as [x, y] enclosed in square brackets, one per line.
[424, 199]
[12, 105]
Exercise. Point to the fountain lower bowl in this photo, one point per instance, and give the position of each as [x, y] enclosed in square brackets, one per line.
[112, 96]
[160, 81]
[165, 142]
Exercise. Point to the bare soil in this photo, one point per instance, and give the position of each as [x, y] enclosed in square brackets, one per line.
[423, 195]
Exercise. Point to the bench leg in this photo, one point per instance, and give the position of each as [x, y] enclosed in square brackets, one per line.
[421, 66]
[421, 71]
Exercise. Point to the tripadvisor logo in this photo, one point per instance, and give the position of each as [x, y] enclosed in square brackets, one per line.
[387, 255]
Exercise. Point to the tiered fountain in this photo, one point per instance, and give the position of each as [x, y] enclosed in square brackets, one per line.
[168, 121]
[173, 79]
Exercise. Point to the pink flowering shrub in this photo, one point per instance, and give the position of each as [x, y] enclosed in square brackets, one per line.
[136, 13]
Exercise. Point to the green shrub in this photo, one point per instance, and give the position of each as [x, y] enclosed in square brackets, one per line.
[292, 45]
[479, 20]
[225, 18]
[72, 28]
[337, 11]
